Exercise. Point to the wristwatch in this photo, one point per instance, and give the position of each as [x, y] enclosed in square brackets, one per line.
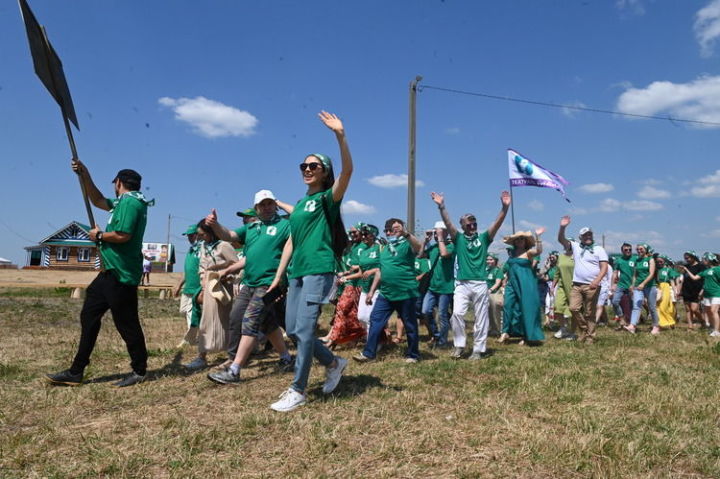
[99, 236]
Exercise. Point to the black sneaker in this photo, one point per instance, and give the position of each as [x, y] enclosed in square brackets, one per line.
[130, 379]
[286, 365]
[65, 378]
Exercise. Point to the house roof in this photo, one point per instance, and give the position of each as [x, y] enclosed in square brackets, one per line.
[72, 231]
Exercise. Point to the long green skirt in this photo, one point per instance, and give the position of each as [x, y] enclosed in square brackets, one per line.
[522, 315]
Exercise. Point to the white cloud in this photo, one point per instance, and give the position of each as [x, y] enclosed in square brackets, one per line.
[536, 205]
[352, 207]
[529, 225]
[210, 118]
[613, 239]
[452, 131]
[712, 234]
[642, 205]
[609, 205]
[717, 218]
[634, 6]
[392, 181]
[571, 112]
[697, 100]
[651, 193]
[596, 188]
[707, 27]
[711, 186]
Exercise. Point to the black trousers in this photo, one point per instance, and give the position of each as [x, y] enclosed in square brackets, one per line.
[106, 292]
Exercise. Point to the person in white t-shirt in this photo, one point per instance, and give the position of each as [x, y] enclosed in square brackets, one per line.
[591, 263]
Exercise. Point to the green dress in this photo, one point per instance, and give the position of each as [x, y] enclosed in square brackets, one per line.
[521, 312]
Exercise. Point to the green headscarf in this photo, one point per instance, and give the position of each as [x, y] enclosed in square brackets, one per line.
[648, 248]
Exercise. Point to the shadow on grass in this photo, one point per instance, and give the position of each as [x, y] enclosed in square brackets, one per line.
[173, 368]
[352, 385]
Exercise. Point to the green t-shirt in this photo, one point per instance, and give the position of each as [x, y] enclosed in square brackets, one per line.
[493, 275]
[626, 267]
[312, 241]
[642, 270]
[397, 271]
[667, 274]
[264, 242]
[551, 272]
[471, 256]
[128, 214]
[443, 277]
[351, 259]
[369, 258]
[711, 282]
[422, 266]
[192, 266]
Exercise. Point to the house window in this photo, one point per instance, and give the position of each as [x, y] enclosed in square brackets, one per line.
[83, 255]
[62, 253]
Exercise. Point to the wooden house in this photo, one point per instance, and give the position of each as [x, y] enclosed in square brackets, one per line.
[67, 248]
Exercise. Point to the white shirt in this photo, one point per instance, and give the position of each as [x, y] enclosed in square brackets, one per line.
[587, 264]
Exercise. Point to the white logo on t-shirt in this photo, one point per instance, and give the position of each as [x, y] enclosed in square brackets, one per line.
[373, 255]
[310, 206]
[271, 230]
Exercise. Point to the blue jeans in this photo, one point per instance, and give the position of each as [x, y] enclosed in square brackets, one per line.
[305, 298]
[617, 297]
[429, 320]
[382, 310]
[651, 295]
[442, 301]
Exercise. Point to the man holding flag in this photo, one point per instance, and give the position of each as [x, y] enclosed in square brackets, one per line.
[115, 287]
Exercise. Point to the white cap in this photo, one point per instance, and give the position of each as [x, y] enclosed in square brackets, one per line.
[439, 224]
[263, 195]
[584, 230]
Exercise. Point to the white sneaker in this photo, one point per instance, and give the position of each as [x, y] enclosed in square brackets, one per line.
[561, 333]
[715, 334]
[196, 364]
[333, 375]
[289, 400]
[411, 360]
[570, 337]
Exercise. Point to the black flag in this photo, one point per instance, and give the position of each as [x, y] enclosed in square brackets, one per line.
[47, 64]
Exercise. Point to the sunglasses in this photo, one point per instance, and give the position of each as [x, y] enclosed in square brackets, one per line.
[471, 225]
[310, 166]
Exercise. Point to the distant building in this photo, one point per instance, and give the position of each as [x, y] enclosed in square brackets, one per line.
[71, 248]
[67, 248]
[7, 264]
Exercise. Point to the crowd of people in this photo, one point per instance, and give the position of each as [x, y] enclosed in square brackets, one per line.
[269, 279]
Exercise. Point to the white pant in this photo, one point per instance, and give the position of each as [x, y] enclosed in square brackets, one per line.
[186, 308]
[466, 293]
[364, 310]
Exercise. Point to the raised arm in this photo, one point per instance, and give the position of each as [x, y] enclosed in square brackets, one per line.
[505, 200]
[220, 231]
[287, 207]
[537, 250]
[442, 245]
[343, 179]
[439, 200]
[95, 196]
[564, 222]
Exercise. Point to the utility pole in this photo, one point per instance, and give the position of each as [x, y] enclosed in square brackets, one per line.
[411, 157]
[169, 253]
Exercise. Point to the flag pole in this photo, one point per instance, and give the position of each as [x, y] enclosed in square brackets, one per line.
[512, 206]
[68, 132]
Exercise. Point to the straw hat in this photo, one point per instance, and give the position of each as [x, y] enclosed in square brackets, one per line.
[520, 234]
[217, 289]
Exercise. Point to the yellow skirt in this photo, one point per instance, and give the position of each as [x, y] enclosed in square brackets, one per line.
[666, 307]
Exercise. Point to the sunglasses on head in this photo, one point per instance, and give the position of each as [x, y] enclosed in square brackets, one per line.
[311, 166]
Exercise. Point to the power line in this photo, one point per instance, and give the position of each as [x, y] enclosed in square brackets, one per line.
[569, 107]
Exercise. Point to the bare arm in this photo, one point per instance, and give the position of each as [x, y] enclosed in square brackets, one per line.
[343, 180]
[287, 207]
[538, 249]
[284, 261]
[95, 196]
[373, 287]
[495, 287]
[439, 200]
[691, 275]
[220, 231]
[603, 271]
[233, 268]
[442, 246]
[495, 226]
[564, 222]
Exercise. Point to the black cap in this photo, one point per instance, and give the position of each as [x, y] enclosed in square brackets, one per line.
[130, 178]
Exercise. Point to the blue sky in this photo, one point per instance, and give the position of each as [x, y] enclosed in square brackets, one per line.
[212, 101]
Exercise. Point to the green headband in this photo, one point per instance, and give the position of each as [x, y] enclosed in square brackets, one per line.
[325, 160]
[493, 256]
[710, 256]
[191, 230]
[691, 253]
[372, 229]
[647, 247]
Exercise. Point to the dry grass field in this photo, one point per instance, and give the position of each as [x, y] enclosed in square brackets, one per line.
[628, 406]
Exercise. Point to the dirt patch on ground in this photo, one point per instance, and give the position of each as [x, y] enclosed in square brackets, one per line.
[48, 277]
